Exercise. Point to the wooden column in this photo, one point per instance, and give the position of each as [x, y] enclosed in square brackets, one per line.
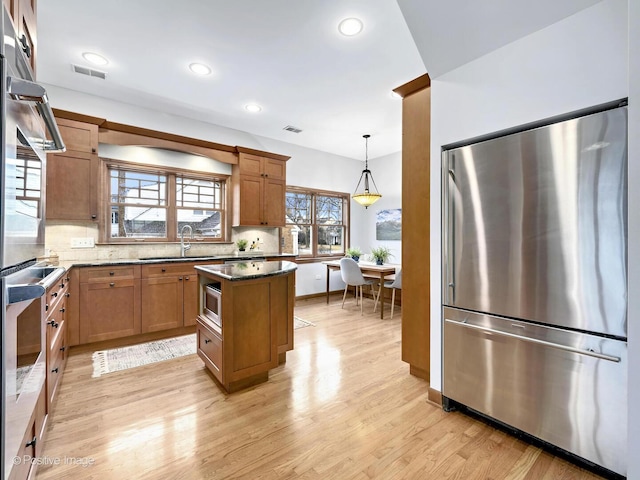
[416, 144]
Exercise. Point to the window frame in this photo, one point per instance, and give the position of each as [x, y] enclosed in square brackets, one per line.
[171, 174]
[346, 221]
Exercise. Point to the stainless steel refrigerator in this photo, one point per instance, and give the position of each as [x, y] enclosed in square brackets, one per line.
[535, 281]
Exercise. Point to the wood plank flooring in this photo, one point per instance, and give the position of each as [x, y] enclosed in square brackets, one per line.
[342, 407]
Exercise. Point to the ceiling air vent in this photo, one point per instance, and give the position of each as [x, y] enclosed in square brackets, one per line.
[291, 128]
[89, 71]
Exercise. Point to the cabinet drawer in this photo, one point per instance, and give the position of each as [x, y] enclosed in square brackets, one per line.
[168, 269]
[106, 274]
[210, 346]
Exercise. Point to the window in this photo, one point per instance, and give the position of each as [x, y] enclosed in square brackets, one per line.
[155, 205]
[317, 222]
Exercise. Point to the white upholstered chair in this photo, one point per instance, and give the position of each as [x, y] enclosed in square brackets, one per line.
[351, 275]
[395, 284]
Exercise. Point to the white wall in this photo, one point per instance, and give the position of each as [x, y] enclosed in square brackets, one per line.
[306, 168]
[634, 239]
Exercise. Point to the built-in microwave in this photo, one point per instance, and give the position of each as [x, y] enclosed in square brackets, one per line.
[212, 303]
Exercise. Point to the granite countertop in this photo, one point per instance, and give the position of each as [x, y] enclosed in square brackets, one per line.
[248, 270]
[151, 260]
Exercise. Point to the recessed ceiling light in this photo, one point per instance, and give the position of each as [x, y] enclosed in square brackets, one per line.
[253, 108]
[95, 58]
[350, 26]
[200, 68]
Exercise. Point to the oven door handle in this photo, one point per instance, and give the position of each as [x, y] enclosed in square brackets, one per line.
[26, 91]
[20, 293]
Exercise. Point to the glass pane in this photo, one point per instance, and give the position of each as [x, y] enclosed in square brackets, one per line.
[204, 223]
[138, 222]
[298, 208]
[137, 188]
[330, 240]
[329, 210]
[199, 194]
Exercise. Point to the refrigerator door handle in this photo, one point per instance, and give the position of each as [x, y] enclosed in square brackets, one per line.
[601, 356]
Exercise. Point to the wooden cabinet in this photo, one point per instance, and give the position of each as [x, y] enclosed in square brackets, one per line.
[259, 190]
[256, 331]
[57, 336]
[23, 13]
[109, 303]
[169, 296]
[72, 176]
[32, 442]
[416, 302]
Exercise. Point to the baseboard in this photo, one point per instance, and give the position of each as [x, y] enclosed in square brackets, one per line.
[435, 397]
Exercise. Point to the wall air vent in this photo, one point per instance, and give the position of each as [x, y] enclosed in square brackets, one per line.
[291, 128]
[89, 71]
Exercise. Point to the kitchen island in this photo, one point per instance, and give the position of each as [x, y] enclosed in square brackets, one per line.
[245, 321]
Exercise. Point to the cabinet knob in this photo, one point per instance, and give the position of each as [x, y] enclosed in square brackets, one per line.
[67, 294]
[93, 150]
[163, 270]
[62, 349]
[112, 284]
[54, 324]
[186, 278]
[112, 273]
[180, 279]
[32, 443]
[62, 310]
[46, 307]
[55, 370]
[206, 340]
[54, 294]
[94, 216]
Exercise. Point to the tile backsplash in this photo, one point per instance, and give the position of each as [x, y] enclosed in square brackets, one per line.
[59, 235]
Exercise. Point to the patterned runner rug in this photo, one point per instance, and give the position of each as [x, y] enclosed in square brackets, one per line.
[107, 361]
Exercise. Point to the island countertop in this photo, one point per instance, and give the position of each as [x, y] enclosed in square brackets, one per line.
[248, 270]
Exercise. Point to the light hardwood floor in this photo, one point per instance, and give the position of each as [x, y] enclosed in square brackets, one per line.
[343, 407]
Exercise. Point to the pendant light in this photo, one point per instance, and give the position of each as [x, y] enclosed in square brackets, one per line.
[366, 198]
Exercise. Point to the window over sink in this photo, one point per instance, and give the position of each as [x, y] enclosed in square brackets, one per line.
[155, 204]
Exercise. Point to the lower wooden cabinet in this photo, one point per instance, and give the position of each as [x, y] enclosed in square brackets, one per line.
[169, 296]
[31, 442]
[109, 303]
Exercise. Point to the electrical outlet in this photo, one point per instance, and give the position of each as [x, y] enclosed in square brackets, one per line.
[82, 242]
[317, 277]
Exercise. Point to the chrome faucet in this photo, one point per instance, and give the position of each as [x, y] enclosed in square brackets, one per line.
[184, 247]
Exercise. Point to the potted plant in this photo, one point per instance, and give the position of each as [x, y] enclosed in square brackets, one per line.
[381, 254]
[242, 244]
[354, 252]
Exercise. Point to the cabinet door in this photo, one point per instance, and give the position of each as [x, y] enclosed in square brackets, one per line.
[274, 169]
[71, 186]
[190, 306]
[161, 303]
[109, 310]
[251, 200]
[274, 201]
[72, 177]
[250, 164]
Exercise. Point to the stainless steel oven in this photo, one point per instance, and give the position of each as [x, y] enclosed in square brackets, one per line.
[27, 130]
[212, 303]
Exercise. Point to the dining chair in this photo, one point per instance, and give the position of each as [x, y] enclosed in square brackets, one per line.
[351, 275]
[395, 284]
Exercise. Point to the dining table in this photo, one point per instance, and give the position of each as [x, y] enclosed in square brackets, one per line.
[368, 269]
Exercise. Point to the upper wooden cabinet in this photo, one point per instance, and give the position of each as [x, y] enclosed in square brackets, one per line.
[259, 190]
[72, 176]
[23, 14]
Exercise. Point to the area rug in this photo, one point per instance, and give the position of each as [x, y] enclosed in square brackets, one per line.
[300, 323]
[107, 361]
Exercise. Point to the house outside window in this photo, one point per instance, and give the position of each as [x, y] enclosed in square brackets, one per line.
[317, 222]
[154, 205]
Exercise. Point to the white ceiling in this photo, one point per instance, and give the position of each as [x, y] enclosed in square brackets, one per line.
[285, 55]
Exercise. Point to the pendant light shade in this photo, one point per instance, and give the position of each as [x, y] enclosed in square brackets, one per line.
[366, 197]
